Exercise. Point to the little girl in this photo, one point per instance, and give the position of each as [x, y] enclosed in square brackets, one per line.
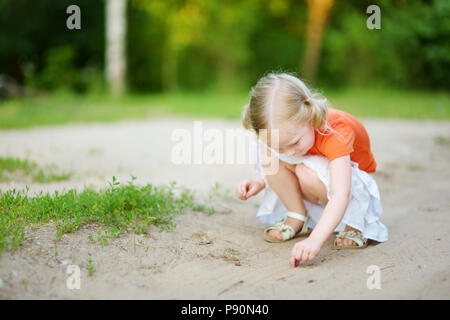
[324, 181]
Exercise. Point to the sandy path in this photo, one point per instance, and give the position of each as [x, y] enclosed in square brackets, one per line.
[223, 256]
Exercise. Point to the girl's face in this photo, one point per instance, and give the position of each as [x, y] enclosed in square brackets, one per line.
[295, 139]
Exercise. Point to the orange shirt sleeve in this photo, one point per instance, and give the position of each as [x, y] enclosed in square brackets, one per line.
[339, 143]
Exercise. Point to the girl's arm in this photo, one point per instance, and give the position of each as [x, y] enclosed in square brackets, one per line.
[341, 176]
[260, 180]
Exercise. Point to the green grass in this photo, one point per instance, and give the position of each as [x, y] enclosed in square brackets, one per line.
[116, 210]
[90, 267]
[63, 107]
[384, 103]
[22, 169]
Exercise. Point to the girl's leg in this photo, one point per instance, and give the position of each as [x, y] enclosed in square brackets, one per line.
[312, 187]
[286, 185]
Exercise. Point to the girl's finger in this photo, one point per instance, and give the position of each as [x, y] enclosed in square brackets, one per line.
[305, 255]
[252, 191]
[241, 192]
[292, 259]
[242, 189]
[298, 253]
[298, 256]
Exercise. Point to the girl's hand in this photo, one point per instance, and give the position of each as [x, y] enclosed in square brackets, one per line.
[304, 250]
[248, 188]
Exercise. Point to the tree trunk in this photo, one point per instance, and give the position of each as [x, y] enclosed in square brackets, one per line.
[115, 58]
[318, 11]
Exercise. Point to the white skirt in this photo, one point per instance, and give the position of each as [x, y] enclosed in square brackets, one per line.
[363, 211]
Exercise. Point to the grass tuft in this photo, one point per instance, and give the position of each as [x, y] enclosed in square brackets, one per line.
[117, 210]
[90, 267]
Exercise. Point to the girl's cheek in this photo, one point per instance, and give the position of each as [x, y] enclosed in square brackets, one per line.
[311, 142]
[301, 150]
[307, 146]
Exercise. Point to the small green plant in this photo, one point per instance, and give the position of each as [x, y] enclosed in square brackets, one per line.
[442, 140]
[90, 267]
[101, 237]
[217, 194]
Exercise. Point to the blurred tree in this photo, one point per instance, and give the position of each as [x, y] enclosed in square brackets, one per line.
[202, 44]
[230, 25]
[183, 26]
[277, 39]
[31, 41]
[318, 12]
[412, 49]
[115, 60]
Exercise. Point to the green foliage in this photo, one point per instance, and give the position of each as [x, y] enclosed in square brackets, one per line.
[201, 44]
[38, 50]
[417, 41]
[117, 209]
[411, 49]
[58, 70]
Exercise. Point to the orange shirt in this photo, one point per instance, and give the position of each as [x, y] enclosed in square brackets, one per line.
[350, 138]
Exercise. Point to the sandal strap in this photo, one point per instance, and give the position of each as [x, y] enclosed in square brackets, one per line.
[352, 235]
[297, 216]
[300, 217]
[286, 231]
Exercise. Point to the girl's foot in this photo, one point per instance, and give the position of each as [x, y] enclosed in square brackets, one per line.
[345, 241]
[294, 223]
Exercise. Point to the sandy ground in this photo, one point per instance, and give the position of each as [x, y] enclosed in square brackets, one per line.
[223, 256]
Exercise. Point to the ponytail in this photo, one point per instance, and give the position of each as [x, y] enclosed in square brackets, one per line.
[319, 111]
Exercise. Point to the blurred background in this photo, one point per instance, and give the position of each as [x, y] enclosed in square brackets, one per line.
[138, 58]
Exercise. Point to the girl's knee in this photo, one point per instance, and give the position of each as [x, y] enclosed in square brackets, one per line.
[282, 166]
[306, 176]
[312, 187]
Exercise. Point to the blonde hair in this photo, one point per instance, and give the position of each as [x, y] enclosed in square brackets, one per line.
[281, 97]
